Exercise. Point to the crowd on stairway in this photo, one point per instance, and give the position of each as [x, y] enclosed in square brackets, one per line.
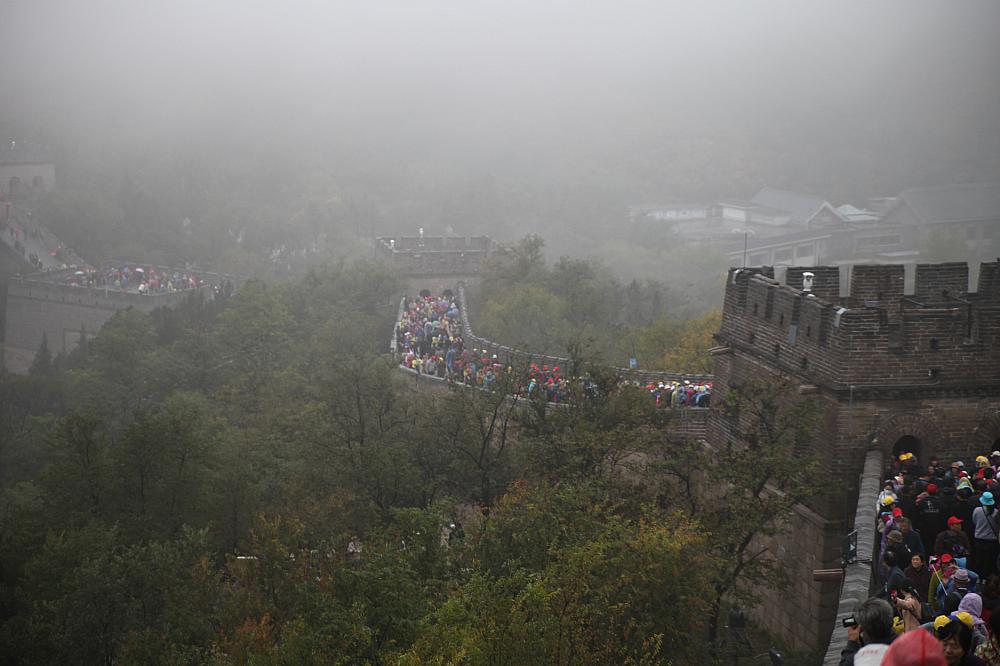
[429, 341]
[937, 568]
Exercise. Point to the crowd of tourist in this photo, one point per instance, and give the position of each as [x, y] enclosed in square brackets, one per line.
[429, 341]
[681, 394]
[937, 567]
[134, 279]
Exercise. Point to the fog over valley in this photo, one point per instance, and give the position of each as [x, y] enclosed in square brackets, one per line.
[548, 118]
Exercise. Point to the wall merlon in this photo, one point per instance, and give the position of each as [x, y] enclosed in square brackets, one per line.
[988, 287]
[876, 283]
[941, 282]
[815, 320]
[760, 296]
[826, 280]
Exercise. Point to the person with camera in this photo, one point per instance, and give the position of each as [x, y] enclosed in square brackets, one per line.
[870, 624]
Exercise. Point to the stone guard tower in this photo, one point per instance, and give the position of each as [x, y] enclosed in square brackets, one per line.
[899, 358]
[436, 262]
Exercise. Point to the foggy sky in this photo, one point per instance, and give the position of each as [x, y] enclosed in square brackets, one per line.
[468, 84]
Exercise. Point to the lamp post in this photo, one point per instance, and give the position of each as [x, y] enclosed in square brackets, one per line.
[746, 241]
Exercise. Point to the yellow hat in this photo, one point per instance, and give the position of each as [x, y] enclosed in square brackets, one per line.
[982, 461]
[965, 617]
[905, 456]
[887, 500]
[962, 616]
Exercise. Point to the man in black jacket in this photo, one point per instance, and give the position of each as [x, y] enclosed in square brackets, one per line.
[874, 625]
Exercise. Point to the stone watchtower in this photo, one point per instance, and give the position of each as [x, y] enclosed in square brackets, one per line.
[25, 170]
[900, 358]
[436, 262]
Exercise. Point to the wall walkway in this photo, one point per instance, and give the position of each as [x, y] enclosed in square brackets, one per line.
[858, 575]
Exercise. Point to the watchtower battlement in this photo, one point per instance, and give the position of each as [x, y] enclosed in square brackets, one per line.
[895, 326]
[457, 256]
[896, 358]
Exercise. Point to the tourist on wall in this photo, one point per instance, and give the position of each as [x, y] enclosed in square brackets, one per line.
[986, 546]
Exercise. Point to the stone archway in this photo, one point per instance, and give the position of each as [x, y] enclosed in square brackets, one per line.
[906, 430]
[907, 444]
[988, 430]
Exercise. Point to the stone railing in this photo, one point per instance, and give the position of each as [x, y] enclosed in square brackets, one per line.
[858, 575]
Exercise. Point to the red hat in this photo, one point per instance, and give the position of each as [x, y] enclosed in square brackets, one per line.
[946, 558]
[897, 512]
[915, 648]
[954, 521]
[931, 488]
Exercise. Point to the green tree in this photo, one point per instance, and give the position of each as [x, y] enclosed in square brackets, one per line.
[756, 481]
[567, 581]
[527, 317]
[90, 596]
[41, 365]
[253, 338]
[115, 379]
[687, 350]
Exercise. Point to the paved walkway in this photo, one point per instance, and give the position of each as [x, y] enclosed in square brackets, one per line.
[26, 238]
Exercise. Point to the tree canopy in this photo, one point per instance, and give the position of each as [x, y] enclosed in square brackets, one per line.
[251, 479]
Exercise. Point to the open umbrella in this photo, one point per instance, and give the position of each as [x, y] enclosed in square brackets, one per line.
[139, 270]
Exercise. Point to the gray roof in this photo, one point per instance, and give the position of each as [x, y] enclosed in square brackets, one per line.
[801, 206]
[954, 203]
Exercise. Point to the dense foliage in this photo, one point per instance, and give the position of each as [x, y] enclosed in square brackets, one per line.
[579, 306]
[251, 480]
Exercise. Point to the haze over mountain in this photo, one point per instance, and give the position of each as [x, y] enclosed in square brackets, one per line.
[529, 117]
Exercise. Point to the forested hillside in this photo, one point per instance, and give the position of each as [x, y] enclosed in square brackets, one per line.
[251, 480]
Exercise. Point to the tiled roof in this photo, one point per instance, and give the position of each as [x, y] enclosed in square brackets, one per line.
[801, 206]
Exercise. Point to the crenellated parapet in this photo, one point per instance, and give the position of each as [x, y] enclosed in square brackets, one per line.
[908, 327]
[435, 255]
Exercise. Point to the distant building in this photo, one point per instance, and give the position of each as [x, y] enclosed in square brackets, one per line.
[784, 228]
[813, 230]
[799, 208]
[970, 212]
[749, 212]
[672, 212]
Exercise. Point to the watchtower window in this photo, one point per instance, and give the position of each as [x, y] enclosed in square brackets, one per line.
[777, 349]
[934, 344]
[752, 338]
[755, 308]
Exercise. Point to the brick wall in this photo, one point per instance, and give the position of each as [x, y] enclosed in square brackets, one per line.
[61, 312]
[882, 365]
